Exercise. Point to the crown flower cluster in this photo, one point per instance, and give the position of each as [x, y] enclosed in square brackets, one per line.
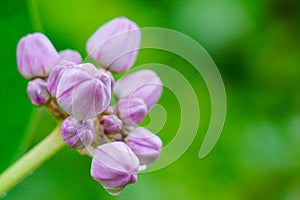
[80, 94]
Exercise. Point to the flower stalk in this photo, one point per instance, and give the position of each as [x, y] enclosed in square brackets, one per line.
[31, 161]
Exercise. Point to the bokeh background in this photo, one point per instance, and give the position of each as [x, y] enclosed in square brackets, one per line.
[256, 46]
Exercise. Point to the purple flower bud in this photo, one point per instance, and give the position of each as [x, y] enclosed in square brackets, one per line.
[132, 111]
[114, 166]
[77, 134]
[37, 92]
[36, 56]
[144, 84]
[146, 145]
[83, 92]
[56, 74]
[110, 124]
[115, 44]
[70, 55]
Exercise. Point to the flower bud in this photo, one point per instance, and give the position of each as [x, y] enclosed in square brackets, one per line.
[70, 55]
[144, 84]
[146, 145]
[56, 74]
[115, 44]
[36, 56]
[110, 124]
[114, 166]
[37, 92]
[131, 111]
[77, 134]
[83, 92]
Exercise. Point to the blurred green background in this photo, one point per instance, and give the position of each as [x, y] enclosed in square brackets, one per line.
[256, 46]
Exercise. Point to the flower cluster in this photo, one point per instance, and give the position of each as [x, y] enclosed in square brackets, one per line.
[80, 94]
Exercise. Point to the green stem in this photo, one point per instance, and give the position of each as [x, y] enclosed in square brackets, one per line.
[31, 161]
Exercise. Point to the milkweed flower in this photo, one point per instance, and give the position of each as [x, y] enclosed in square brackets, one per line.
[143, 84]
[114, 46]
[146, 145]
[110, 124]
[80, 95]
[114, 166]
[131, 111]
[36, 56]
[77, 134]
[83, 92]
[37, 91]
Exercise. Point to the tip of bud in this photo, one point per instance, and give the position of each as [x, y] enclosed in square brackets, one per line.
[70, 55]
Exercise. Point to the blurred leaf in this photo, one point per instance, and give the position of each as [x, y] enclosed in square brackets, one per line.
[15, 107]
